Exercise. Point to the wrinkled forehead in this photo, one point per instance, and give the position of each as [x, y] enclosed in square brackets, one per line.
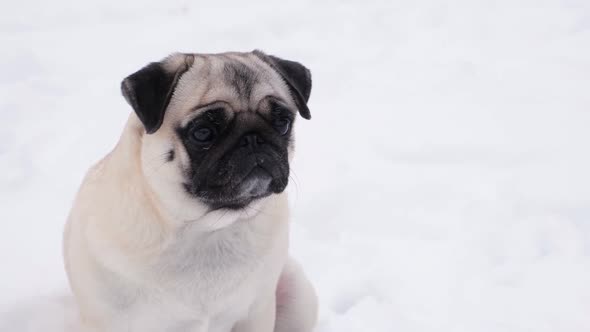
[241, 80]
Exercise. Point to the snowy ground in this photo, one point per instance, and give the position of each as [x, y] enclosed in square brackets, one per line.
[442, 184]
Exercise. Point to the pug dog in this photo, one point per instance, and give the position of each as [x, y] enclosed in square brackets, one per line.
[184, 225]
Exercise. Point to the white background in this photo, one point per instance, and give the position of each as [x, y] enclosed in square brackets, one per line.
[443, 183]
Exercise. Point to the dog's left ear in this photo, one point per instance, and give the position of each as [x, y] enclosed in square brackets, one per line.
[150, 89]
[296, 76]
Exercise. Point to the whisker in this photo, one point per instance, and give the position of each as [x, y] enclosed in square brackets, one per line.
[294, 177]
[220, 217]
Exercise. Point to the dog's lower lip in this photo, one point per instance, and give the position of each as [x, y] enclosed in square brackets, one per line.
[237, 205]
[252, 194]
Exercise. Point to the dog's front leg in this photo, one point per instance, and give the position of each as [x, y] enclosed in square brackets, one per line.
[261, 317]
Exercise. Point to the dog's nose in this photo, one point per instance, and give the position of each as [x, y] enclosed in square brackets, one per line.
[251, 140]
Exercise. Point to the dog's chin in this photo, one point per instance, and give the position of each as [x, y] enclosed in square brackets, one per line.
[234, 204]
[251, 190]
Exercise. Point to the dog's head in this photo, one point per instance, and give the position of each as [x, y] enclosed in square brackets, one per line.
[218, 128]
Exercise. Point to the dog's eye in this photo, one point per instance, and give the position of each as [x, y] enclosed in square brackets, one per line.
[202, 134]
[282, 125]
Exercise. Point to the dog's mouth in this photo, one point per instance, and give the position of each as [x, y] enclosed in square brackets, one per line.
[258, 183]
[255, 185]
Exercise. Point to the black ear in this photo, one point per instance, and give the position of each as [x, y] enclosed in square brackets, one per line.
[297, 78]
[149, 90]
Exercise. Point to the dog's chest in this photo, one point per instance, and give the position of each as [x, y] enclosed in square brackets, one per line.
[204, 271]
[208, 281]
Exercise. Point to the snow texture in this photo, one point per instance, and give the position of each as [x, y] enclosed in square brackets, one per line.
[442, 184]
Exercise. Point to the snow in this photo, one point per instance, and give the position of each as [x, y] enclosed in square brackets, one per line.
[442, 184]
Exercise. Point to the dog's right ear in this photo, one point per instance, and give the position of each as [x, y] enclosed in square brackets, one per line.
[150, 89]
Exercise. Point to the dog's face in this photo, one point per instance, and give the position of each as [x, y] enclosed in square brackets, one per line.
[218, 128]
